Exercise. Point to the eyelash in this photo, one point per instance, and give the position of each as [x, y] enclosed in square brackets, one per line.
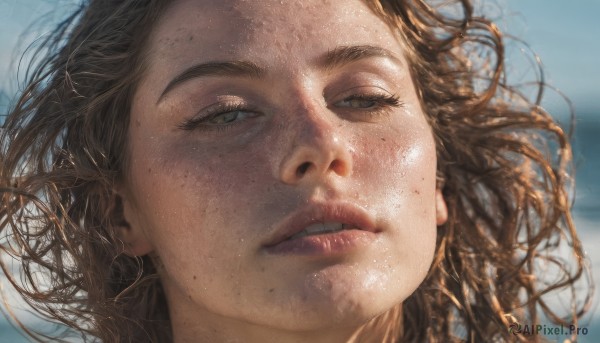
[382, 106]
[200, 123]
[382, 103]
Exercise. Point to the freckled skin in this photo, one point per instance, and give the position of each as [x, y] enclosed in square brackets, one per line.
[206, 201]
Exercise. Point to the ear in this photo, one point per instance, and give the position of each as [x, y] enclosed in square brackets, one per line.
[441, 210]
[127, 226]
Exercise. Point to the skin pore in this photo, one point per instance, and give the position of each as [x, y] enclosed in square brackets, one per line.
[250, 112]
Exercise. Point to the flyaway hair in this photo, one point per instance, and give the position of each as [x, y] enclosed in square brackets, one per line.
[503, 166]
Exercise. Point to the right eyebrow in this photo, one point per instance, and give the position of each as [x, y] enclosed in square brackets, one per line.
[225, 68]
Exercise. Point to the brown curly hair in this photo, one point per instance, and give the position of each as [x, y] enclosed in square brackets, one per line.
[503, 166]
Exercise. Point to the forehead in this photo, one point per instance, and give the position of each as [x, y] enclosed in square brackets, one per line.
[215, 30]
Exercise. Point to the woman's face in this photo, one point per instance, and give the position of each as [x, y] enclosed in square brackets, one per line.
[257, 120]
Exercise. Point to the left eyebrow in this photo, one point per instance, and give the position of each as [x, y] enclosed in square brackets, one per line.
[343, 55]
[224, 68]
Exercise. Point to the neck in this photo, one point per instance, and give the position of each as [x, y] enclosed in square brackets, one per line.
[214, 328]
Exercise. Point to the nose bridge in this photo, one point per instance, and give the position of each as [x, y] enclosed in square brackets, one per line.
[317, 148]
[313, 124]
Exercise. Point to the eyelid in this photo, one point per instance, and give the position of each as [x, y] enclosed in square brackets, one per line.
[387, 99]
[212, 111]
[383, 104]
[368, 92]
[359, 91]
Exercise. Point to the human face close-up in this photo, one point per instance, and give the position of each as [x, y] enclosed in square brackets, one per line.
[256, 120]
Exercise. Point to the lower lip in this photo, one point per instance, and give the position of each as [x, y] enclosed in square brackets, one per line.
[334, 243]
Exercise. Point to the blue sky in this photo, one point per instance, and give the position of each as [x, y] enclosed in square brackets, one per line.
[566, 35]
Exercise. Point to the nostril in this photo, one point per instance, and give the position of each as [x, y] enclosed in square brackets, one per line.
[337, 167]
[302, 169]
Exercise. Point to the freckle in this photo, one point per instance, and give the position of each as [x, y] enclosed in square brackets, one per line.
[383, 139]
[416, 191]
[262, 269]
[138, 123]
[271, 290]
[149, 170]
[194, 277]
[422, 179]
[191, 37]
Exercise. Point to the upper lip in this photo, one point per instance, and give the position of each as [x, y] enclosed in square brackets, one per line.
[341, 212]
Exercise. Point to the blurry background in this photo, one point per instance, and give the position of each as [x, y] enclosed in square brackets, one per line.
[565, 34]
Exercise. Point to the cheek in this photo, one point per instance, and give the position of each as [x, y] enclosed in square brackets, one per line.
[196, 206]
[188, 195]
[400, 171]
[400, 164]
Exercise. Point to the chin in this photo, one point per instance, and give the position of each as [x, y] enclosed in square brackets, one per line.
[348, 314]
[344, 297]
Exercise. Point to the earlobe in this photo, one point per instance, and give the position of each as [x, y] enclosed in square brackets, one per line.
[441, 210]
[128, 229]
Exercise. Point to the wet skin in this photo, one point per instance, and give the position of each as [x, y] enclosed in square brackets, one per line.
[223, 156]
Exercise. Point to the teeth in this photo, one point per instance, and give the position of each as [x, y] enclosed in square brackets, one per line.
[319, 228]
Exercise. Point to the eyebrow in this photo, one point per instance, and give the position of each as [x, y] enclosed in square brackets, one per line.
[227, 68]
[336, 58]
[343, 55]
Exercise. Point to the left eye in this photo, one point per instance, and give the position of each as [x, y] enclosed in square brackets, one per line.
[367, 101]
[357, 103]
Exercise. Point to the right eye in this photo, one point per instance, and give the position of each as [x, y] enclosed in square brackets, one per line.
[219, 118]
[227, 117]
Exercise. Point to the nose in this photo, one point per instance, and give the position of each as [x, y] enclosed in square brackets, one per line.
[319, 149]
